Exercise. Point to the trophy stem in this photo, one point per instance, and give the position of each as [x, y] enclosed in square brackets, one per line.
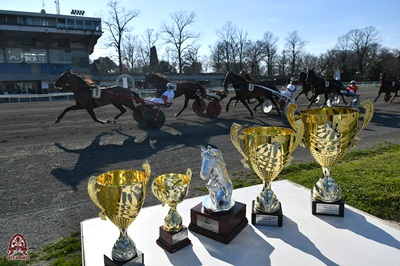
[267, 185]
[327, 189]
[266, 201]
[124, 248]
[173, 221]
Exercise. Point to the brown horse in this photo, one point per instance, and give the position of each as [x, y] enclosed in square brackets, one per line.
[321, 86]
[190, 90]
[83, 94]
[305, 87]
[387, 87]
[246, 90]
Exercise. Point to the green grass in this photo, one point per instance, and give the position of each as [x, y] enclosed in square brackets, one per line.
[369, 180]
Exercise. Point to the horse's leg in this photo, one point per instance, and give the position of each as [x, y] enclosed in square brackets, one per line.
[395, 95]
[379, 94]
[94, 117]
[344, 101]
[299, 95]
[230, 100]
[276, 104]
[312, 100]
[247, 106]
[185, 104]
[71, 108]
[122, 111]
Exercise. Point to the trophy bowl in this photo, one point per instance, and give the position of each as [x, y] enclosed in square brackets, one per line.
[120, 196]
[268, 150]
[171, 189]
[329, 133]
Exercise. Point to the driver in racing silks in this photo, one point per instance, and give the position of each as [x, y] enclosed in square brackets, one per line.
[167, 97]
[290, 88]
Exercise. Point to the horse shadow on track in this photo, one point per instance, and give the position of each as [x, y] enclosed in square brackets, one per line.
[96, 158]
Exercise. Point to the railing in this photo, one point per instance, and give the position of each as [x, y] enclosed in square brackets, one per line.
[36, 97]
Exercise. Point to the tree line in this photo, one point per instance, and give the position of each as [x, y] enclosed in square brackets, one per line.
[358, 54]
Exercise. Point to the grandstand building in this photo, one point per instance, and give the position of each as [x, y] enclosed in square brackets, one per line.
[35, 48]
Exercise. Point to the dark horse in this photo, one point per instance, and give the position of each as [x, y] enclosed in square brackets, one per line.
[321, 86]
[246, 90]
[83, 94]
[387, 87]
[305, 87]
[190, 90]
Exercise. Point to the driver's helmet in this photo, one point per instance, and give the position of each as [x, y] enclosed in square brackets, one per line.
[170, 86]
[353, 82]
[293, 79]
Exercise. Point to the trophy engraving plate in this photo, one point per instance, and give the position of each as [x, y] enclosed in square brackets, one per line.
[328, 208]
[178, 237]
[222, 227]
[173, 241]
[268, 219]
[136, 261]
[208, 223]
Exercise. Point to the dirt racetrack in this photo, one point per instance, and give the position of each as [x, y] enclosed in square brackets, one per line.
[45, 166]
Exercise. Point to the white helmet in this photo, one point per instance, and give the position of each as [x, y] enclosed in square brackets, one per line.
[171, 86]
[293, 79]
[353, 82]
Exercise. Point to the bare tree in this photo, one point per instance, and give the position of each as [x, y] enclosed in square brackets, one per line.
[226, 46]
[270, 51]
[362, 42]
[254, 55]
[130, 53]
[177, 34]
[116, 23]
[148, 40]
[294, 45]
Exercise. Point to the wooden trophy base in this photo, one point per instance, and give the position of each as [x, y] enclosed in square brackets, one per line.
[328, 208]
[172, 242]
[138, 260]
[222, 227]
[269, 219]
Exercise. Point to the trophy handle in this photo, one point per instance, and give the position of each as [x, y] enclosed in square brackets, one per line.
[189, 173]
[291, 117]
[92, 190]
[147, 170]
[157, 192]
[367, 115]
[299, 129]
[235, 138]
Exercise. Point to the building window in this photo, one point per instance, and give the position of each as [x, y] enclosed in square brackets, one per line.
[1, 56]
[59, 56]
[14, 55]
[35, 56]
[64, 43]
[25, 42]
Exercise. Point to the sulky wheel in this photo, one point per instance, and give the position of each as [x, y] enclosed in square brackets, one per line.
[266, 106]
[154, 118]
[213, 109]
[199, 106]
[138, 114]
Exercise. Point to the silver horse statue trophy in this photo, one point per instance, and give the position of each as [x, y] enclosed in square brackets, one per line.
[219, 185]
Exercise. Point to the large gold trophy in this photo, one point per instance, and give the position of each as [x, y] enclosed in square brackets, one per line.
[172, 189]
[268, 150]
[120, 196]
[329, 133]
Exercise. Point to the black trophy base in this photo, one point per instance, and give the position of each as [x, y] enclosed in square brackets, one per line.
[172, 242]
[328, 208]
[222, 227]
[138, 260]
[269, 219]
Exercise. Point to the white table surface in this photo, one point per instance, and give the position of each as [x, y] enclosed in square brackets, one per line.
[304, 239]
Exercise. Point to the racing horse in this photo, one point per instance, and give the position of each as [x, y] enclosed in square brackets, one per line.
[305, 87]
[219, 184]
[246, 90]
[190, 90]
[83, 94]
[321, 86]
[387, 87]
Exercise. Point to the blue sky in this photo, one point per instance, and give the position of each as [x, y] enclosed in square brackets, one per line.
[320, 22]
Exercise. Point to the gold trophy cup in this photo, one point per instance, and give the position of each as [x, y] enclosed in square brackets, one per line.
[120, 196]
[172, 189]
[329, 133]
[268, 150]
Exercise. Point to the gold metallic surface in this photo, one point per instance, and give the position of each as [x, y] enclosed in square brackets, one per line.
[329, 133]
[172, 189]
[268, 150]
[120, 195]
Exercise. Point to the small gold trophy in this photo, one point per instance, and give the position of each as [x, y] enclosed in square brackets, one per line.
[329, 133]
[268, 150]
[172, 189]
[120, 196]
